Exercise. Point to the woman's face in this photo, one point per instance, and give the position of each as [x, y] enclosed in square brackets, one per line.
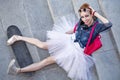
[86, 17]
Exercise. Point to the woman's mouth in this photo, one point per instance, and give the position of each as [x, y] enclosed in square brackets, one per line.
[87, 22]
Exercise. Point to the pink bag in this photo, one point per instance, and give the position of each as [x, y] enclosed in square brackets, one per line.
[95, 45]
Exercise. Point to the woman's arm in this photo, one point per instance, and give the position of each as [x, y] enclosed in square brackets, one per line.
[70, 31]
[106, 24]
[103, 19]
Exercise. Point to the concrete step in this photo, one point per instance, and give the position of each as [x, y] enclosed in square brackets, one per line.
[5, 54]
[12, 13]
[40, 20]
[109, 59]
[111, 11]
[108, 65]
[60, 8]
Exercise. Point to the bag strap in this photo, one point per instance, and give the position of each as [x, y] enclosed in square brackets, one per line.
[93, 27]
[75, 27]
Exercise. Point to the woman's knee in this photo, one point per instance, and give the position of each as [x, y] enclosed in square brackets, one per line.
[41, 44]
[44, 45]
[50, 60]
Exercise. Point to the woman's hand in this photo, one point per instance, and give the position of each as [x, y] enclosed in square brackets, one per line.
[92, 10]
[70, 31]
[94, 13]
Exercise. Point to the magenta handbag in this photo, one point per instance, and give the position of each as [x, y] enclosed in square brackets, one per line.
[95, 45]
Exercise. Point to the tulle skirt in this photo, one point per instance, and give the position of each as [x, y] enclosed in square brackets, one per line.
[67, 53]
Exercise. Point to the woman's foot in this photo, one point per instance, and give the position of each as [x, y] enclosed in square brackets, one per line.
[12, 69]
[13, 39]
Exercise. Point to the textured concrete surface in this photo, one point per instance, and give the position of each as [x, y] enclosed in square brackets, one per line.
[112, 12]
[35, 17]
[60, 7]
[12, 13]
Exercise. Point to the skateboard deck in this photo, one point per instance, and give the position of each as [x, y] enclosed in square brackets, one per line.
[20, 49]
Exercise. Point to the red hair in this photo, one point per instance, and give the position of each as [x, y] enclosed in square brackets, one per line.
[85, 6]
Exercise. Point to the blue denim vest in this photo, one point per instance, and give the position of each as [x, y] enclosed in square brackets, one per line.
[82, 33]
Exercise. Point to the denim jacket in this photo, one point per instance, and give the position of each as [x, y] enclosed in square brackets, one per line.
[82, 33]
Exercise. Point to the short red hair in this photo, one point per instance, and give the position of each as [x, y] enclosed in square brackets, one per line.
[85, 6]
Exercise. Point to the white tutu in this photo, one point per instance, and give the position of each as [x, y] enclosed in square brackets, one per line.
[68, 54]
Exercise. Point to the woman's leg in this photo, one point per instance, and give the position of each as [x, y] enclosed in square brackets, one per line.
[39, 65]
[33, 41]
[12, 69]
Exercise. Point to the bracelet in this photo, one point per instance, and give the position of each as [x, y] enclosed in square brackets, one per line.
[94, 13]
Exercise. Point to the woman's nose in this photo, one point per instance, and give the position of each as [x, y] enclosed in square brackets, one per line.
[85, 19]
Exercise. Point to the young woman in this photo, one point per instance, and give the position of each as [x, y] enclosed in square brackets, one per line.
[64, 50]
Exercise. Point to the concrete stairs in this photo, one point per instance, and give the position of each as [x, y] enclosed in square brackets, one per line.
[35, 17]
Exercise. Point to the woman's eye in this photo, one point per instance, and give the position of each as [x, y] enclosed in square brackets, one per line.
[86, 15]
[82, 17]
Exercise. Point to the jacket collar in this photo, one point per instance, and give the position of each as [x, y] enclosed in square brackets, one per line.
[85, 27]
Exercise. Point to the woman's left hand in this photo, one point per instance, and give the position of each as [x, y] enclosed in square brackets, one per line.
[92, 9]
[94, 13]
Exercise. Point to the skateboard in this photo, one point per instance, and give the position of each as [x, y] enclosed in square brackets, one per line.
[20, 49]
